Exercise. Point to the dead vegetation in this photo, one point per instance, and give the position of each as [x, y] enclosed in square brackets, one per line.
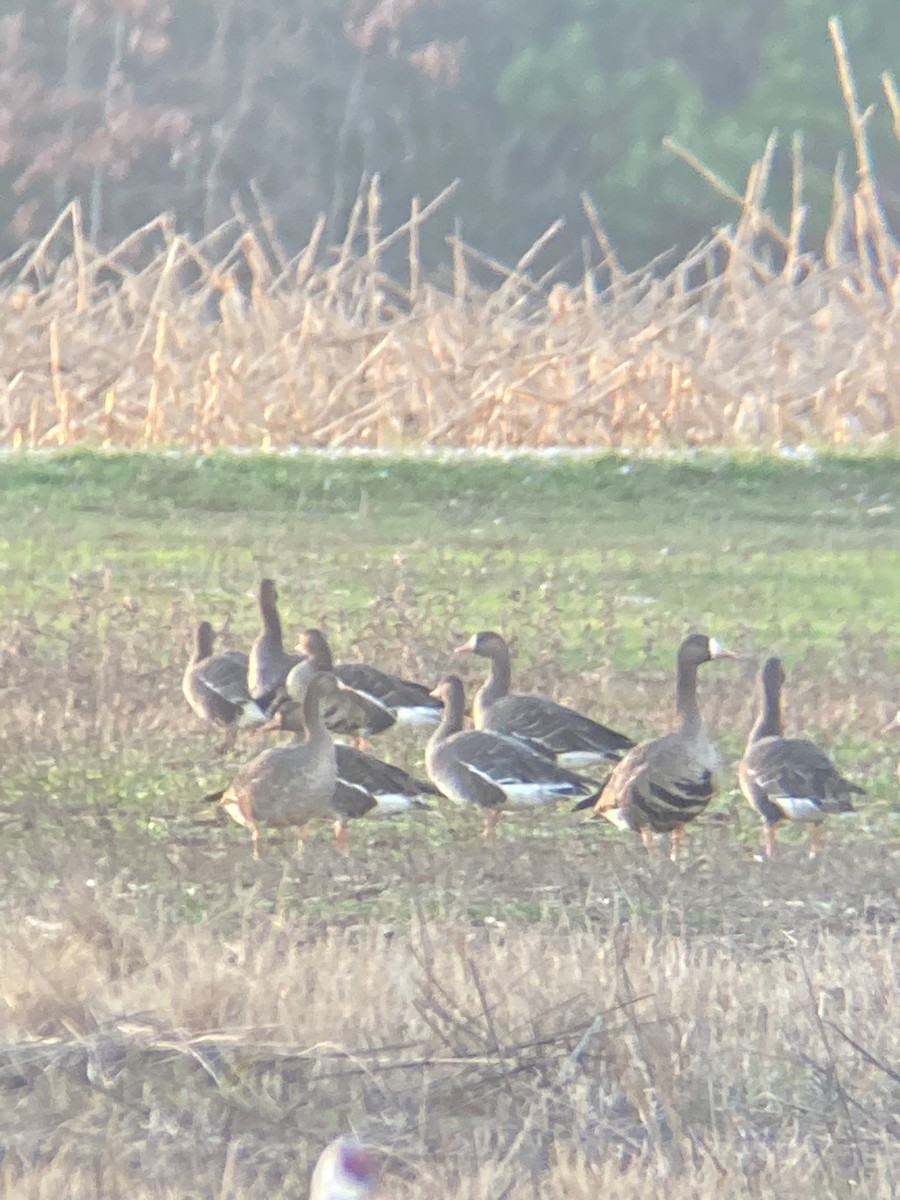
[751, 340]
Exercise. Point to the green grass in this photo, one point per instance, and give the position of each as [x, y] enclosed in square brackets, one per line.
[795, 552]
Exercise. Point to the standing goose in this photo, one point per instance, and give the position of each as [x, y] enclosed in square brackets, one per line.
[346, 1170]
[491, 771]
[662, 784]
[269, 662]
[788, 779]
[365, 784]
[287, 785]
[408, 703]
[346, 711]
[215, 686]
[573, 740]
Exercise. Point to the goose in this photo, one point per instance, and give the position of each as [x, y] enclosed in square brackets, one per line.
[788, 779]
[287, 785]
[408, 703]
[365, 784]
[269, 662]
[490, 771]
[215, 686]
[346, 712]
[573, 740]
[346, 1170]
[662, 784]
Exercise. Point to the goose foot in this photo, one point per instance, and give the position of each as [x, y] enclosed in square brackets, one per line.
[489, 833]
[816, 841]
[341, 840]
[677, 843]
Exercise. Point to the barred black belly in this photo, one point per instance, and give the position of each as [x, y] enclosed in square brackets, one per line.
[665, 809]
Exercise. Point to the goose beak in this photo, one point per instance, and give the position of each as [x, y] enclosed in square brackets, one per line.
[465, 648]
[717, 650]
[436, 692]
[893, 726]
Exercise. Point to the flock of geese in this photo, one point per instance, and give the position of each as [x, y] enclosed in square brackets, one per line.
[524, 751]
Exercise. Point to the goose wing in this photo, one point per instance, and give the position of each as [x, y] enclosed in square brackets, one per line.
[399, 696]
[797, 777]
[556, 729]
[659, 785]
[492, 770]
[366, 783]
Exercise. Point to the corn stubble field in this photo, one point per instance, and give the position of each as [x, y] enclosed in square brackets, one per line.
[548, 1016]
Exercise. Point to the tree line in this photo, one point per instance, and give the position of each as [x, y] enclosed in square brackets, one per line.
[281, 107]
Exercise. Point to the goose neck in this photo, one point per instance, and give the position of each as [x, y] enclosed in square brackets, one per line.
[452, 719]
[686, 697]
[769, 721]
[497, 684]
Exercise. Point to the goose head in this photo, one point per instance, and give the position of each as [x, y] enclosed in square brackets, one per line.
[346, 1170]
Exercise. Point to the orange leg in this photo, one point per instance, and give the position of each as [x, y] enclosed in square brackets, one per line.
[302, 833]
[254, 837]
[816, 840]
[769, 840]
[340, 837]
[649, 839]
[229, 741]
[677, 843]
[361, 744]
[491, 817]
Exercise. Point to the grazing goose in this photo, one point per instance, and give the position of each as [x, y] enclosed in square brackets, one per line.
[491, 771]
[269, 662]
[287, 785]
[346, 711]
[662, 784]
[565, 735]
[788, 779]
[408, 703]
[346, 1170]
[365, 785]
[215, 686]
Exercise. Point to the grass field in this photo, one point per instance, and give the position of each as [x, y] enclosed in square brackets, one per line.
[549, 1016]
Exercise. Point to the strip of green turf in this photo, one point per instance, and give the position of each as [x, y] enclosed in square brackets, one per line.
[798, 551]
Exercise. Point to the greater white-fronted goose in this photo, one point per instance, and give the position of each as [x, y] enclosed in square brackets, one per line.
[346, 710]
[788, 779]
[490, 771]
[346, 1170]
[408, 703]
[662, 784]
[270, 663]
[573, 740]
[288, 785]
[215, 686]
[366, 786]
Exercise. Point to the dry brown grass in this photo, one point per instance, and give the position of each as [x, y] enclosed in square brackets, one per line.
[750, 340]
[513, 1060]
